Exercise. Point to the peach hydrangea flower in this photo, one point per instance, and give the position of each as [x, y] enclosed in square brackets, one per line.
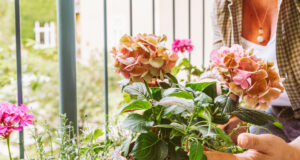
[143, 57]
[247, 76]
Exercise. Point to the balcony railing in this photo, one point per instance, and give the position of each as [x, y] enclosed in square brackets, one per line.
[67, 58]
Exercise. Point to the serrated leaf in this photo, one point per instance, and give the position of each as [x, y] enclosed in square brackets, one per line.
[176, 92]
[138, 89]
[255, 117]
[137, 123]
[136, 105]
[149, 147]
[196, 151]
[225, 104]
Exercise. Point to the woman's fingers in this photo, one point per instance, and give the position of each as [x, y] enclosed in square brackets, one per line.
[264, 143]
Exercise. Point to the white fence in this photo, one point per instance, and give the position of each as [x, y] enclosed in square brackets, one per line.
[45, 36]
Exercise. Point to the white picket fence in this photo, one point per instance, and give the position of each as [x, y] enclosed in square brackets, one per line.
[45, 36]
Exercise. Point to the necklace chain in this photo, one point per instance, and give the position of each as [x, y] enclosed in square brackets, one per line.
[260, 23]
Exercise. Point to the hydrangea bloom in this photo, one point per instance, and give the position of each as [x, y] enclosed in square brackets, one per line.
[13, 118]
[247, 76]
[182, 46]
[143, 57]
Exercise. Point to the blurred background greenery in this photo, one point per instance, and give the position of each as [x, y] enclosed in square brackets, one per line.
[40, 72]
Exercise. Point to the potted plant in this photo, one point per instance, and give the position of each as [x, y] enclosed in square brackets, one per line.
[179, 121]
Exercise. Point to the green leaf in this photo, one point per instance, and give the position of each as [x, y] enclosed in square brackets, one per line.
[149, 147]
[221, 134]
[203, 100]
[176, 92]
[196, 72]
[184, 63]
[278, 124]
[173, 110]
[196, 151]
[171, 101]
[125, 147]
[225, 104]
[176, 126]
[94, 135]
[136, 105]
[164, 85]
[207, 87]
[123, 83]
[174, 153]
[255, 117]
[172, 78]
[221, 119]
[138, 89]
[137, 123]
[156, 93]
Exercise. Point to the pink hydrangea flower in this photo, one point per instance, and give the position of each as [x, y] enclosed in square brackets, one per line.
[247, 76]
[184, 45]
[13, 118]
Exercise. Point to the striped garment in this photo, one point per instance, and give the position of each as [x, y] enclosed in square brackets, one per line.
[227, 26]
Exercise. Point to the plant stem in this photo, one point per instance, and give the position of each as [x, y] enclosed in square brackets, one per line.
[188, 127]
[8, 148]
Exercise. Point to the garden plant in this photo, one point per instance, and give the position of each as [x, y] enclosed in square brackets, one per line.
[178, 121]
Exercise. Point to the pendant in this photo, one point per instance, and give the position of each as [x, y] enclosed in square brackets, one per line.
[260, 38]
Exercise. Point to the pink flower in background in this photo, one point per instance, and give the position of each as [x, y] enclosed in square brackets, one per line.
[13, 118]
[182, 46]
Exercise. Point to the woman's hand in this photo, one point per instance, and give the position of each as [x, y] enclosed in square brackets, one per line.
[261, 147]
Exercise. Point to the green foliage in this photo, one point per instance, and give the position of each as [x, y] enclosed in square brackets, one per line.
[179, 118]
[63, 143]
[43, 11]
[185, 65]
[149, 147]
[137, 123]
[196, 151]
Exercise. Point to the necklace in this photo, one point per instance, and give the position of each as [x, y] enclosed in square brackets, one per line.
[260, 37]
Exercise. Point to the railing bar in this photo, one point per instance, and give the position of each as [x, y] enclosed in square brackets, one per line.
[105, 70]
[189, 10]
[203, 32]
[174, 20]
[19, 70]
[67, 61]
[130, 17]
[153, 16]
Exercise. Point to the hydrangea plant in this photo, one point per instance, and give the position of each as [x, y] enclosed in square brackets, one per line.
[175, 121]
